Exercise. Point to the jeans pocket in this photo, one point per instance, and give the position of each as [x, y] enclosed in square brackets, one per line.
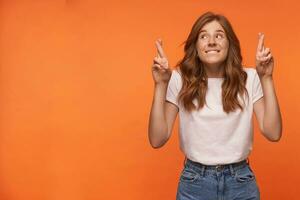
[188, 175]
[244, 174]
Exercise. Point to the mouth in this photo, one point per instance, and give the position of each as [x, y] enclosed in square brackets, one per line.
[212, 51]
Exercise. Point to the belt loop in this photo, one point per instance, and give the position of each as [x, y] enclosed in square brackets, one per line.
[231, 170]
[202, 170]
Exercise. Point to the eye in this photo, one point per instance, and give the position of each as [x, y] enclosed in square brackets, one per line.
[204, 36]
[219, 36]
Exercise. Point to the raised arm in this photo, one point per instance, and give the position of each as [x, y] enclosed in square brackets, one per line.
[162, 114]
[267, 109]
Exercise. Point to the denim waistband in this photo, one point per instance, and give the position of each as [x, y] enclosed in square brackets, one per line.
[231, 166]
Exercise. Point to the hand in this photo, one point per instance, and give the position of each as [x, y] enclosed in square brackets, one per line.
[264, 59]
[160, 69]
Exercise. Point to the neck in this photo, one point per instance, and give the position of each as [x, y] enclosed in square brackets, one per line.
[214, 70]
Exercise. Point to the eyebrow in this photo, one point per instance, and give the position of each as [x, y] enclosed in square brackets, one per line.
[219, 30]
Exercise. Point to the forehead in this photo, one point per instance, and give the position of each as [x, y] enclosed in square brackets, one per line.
[212, 26]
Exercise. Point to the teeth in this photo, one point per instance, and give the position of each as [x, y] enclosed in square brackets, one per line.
[212, 51]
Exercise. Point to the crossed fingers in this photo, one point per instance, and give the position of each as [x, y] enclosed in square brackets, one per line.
[160, 61]
[263, 55]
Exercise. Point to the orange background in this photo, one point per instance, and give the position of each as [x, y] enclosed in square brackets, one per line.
[76, 90]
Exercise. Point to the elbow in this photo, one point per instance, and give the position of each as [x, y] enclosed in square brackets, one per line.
[156, 145]
[274, 139]
[274, 136]
[273, 131]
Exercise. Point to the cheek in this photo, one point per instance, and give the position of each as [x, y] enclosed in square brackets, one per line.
[200, 48]
[200, 45]
[225, 46]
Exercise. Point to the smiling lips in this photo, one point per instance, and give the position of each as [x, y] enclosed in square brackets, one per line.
[212, 51]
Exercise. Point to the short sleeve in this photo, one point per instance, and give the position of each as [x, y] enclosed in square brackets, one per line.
[173, 88]
[257, 91]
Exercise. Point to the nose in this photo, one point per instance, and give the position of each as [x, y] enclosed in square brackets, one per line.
[211, 41]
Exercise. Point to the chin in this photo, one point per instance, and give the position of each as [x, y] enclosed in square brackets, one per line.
[213, 62]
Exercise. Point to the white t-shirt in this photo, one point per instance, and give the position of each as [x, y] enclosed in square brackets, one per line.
[211, 136]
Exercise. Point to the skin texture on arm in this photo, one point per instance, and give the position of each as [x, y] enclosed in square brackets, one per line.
[163, 113]
[161, 123]
[170, 112]
[267, 109]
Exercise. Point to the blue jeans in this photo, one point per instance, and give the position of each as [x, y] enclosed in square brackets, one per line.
[220, 182]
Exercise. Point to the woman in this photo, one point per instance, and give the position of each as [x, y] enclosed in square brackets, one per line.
[215, 97]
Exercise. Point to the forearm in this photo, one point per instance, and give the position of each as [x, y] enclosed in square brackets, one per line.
[158, 129]
[272, 122]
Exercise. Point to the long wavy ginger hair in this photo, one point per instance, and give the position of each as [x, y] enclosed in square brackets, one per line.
[194, 84]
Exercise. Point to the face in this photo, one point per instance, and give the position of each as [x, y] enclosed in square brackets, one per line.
[212, 44]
